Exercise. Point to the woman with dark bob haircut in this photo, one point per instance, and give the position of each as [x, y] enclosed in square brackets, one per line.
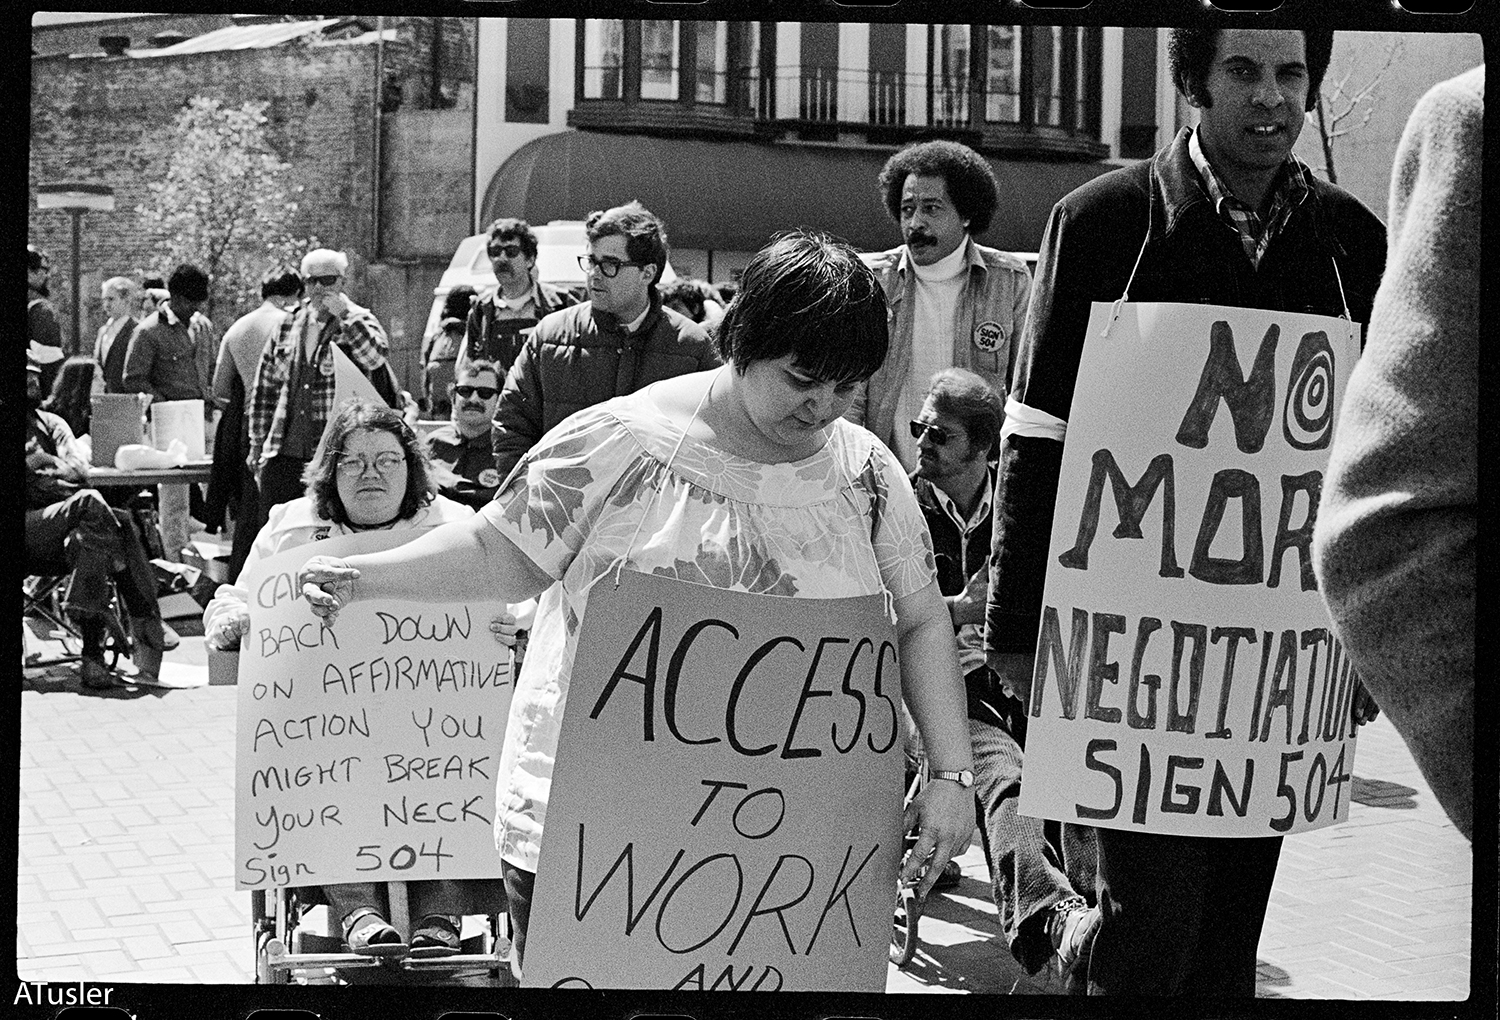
[695, 479]
[369, 474]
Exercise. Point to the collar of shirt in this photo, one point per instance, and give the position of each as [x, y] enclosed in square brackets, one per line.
[1292, 187]
[981, 511]
[527, 298]
[947, 267]
[635, 323]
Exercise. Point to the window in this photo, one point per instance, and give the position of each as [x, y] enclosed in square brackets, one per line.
[887, 74]
[711, 69]
[951, 89]
[603, 58]
[1002, 83]
[658, 60]
[526, 53]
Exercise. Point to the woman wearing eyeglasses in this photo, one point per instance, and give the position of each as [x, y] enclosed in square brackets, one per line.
[370, 473]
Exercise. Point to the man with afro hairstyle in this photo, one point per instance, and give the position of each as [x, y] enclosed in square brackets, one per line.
[953, 303]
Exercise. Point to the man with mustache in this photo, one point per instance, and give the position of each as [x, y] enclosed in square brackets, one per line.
[499, 322]
[462, 458]
[1224, 214]
[952, 302]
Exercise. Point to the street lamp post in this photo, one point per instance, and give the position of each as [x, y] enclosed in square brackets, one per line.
[77, 198]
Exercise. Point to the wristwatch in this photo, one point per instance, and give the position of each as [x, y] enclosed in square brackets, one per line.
[963, 778]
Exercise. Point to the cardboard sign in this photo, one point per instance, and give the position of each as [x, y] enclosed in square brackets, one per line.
[725, 811]
[1187, 678]
[366, 751]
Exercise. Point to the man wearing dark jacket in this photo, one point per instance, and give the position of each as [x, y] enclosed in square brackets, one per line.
[618, 341]
[1223, 215]
[499, 322]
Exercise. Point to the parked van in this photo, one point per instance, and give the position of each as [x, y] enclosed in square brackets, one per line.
[558, 245]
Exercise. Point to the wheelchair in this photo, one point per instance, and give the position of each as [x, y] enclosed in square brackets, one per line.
[295, 945]
[44, 618]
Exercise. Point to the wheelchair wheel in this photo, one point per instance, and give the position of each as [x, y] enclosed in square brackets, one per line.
[904, 928]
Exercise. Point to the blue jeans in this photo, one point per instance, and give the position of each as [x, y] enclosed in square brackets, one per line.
[1034, 863]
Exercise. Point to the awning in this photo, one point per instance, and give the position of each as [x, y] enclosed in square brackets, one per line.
[732, 195]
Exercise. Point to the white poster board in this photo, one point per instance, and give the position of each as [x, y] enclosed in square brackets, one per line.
[1187, 678]
[366, 751]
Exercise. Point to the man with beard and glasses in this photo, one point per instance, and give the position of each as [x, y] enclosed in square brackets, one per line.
[1041, 872]
[952, 302]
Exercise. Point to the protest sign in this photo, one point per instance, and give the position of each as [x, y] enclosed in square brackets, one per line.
[1187, 678]
[365, 751]
[725, 811]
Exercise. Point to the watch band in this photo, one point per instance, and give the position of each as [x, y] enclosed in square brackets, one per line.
[964, 777]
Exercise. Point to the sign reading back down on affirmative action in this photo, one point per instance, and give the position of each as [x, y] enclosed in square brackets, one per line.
[725, 810]
[366, 751]
[1187, 678]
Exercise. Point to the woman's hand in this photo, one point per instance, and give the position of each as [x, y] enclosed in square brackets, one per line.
[943, 813]
[327, 583]
[229, 627]
[503, 626]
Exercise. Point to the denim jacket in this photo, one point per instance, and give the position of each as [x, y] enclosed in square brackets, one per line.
[990, 315]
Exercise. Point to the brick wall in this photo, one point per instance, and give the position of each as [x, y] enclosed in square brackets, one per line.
[103, 119]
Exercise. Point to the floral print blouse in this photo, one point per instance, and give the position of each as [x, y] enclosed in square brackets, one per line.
[612, 481]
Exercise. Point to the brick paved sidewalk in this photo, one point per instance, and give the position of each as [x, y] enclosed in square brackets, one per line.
[126, 832]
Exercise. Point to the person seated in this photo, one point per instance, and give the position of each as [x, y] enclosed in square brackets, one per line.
[369, 473]
[69, 524]
[73, 391]
[1041, 872]
[460, 451]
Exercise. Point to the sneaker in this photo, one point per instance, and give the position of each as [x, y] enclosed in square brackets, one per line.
[1073, 933]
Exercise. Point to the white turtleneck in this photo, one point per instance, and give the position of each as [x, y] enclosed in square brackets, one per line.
[936, 294]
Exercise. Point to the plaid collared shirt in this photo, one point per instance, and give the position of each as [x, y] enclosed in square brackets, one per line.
[1255, 232]
[361, 336]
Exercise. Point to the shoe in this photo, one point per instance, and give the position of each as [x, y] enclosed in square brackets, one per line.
[95, 675]
[950, 877]
[1074, 931]
[436, 935]
[370, 935]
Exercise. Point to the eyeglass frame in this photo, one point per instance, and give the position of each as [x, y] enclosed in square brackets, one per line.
[504, 247]
[485, 392]
[323, 279]
[940, 435]
[347, 463]
[588, 263]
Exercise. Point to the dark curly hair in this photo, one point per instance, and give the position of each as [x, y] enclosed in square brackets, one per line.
[512, 229]
[1190, 52]
[808, 295]
[971, 182]
[321, 476]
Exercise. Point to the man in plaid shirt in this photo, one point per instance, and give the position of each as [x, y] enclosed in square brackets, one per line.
[294, 386]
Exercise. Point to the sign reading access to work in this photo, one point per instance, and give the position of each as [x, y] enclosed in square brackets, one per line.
[1187, 679]
[366, 751]
[725, 811]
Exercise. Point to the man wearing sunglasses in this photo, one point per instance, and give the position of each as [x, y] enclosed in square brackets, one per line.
[498, 322]
[616, 342]
[294, 383]
[462, 460]
[951, 301]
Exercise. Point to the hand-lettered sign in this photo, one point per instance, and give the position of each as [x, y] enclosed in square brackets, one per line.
[366, 751]
[1187, 679]
[725, 810]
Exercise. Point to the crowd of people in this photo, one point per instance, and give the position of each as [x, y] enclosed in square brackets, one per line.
[925, 392]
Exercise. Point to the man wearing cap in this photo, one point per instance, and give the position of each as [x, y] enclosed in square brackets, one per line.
[952, 302]
[171, 353]
[494, 329]
[71, 529]
[41, 317]
[294, 385]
